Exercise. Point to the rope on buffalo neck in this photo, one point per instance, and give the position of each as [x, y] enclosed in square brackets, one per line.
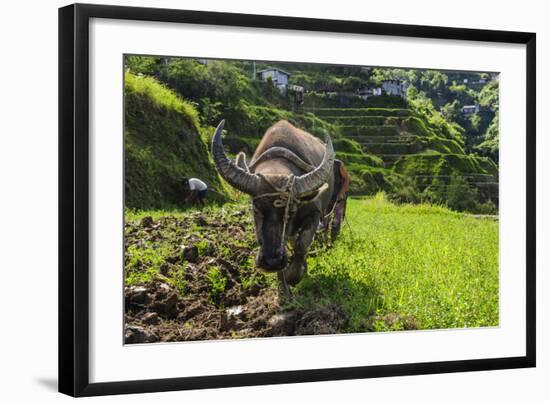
[329, 214]
[285, 196]
[284, 199]
[289, 192]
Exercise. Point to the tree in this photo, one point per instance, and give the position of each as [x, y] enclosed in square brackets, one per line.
[490, 145]
[460, 194]
[143, 65]
[453, 111]
[488, 96]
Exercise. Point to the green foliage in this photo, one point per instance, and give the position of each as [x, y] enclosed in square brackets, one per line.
[438, 164]
[142, 65]
[460, 195]
[363, 159]
[217, 81]
[421, 134]
[161, 135]
[380, 74]
[327, 78]
[346, 145]
[442, 179]
[325, 112]
[217, 282]
[424, 107]
[142, 263]
[161, 97]
[448, 92]
[435, 83]
[489, 96]
[178, 280]
[373, 137]
[452, 111]
[345, 100]
[462, 94]
[490, 144]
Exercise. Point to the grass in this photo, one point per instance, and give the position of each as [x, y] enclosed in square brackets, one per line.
[399, 267]
[161, 95]
[421, 265]
[161, 135]
[143, 263]
[217, 282]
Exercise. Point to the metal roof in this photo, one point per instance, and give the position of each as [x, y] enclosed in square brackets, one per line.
[275, 69]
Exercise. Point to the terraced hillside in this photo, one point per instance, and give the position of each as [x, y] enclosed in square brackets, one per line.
[419, 149]
[412, 154]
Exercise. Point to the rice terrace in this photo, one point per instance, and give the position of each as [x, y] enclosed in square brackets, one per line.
[330, 200]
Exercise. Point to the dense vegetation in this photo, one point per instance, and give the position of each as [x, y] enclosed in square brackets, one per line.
[422, 149]
[408, 258]
[162, 133]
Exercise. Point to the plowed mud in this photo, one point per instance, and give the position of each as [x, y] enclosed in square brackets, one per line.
[206, 287]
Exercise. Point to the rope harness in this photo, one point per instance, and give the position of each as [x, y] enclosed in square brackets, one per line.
[285, 196]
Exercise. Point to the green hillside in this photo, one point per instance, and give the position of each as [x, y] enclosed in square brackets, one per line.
[409, 148]
[162, 143]
[418, 161]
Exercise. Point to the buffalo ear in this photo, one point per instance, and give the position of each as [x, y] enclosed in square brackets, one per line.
[311, 197]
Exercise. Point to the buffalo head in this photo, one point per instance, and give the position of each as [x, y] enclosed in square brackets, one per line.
[276, 197]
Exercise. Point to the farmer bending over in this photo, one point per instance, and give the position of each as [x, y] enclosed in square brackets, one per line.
[197, 190]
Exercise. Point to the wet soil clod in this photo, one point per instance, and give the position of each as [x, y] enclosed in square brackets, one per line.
[247, 306]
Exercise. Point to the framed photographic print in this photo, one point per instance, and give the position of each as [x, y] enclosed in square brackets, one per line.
[250, 199]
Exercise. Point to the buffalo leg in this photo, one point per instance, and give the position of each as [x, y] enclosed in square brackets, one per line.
[339, 214]
[283, 287]
[297, 267]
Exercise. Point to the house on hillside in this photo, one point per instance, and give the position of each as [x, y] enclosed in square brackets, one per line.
[395, 87]
[297, 92]
[368, 92]
[470, 109]
[277, 76]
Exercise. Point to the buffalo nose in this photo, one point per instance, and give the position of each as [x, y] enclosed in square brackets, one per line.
[273, 263]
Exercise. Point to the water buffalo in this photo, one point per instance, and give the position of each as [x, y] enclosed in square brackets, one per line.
[290, 180]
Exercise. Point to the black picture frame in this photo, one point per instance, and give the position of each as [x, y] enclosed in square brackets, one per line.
[74, 198]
